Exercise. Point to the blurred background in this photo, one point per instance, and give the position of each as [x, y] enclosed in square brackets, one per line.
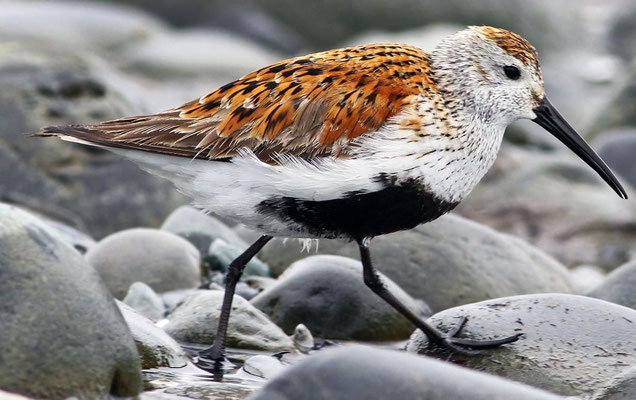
[82, 61]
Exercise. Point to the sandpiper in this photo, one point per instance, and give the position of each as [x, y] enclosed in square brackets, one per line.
[349, 143]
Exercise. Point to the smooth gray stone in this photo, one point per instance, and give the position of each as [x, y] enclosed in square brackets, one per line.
[619, 286]
[570, 344]
[160, 259]
[620, 387]
[328, 295]
[360, 373]
[145, 301]
[62, 334]
[197, 318]
[200, 229]
[156, 348]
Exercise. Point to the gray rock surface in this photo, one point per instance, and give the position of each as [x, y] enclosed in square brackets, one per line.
[196, 320]
[620, 387]
[620, 111]
[81, 26]
[156, 348]
[178, 53]
[557, 203]
[160, 259]
[447, 262]
[586, 277]
[221, 254]
[359, 372]
[571, 344]
[617, 148]
[327, 294]
[619, 286]
[46, 85]
[145, 301]
[200, 229]
[62, 334]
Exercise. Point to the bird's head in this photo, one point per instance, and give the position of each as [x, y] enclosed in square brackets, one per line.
[496, 76]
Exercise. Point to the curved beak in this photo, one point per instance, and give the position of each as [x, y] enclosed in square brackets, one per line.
[550, 119]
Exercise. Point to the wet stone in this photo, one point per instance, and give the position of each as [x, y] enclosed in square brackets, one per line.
[160, 259]
[620, 387]
[327, 294]
[570, 344]
[359, 372]
[196, 320]
[156, 348]
[221, 254]
[200, 229]
[62, 334]
[619, 286]
[145, 301]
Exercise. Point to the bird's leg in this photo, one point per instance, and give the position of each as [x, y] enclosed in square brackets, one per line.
[234, 272]
[448, 340]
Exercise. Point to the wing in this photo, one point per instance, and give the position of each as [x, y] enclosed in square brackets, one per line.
[307, 106]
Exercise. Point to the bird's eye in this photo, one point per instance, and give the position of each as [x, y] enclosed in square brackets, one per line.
[512, 72]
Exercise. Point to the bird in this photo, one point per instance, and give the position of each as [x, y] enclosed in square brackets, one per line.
[350, 144]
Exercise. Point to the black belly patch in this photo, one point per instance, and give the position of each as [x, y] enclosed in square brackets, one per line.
[396, 207]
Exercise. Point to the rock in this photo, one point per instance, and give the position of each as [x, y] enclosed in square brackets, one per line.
[303, 339]
[42, 86]
[586, 278]
[557, 203]
[447, 262]
[618, 286]
[178, 53]
[620, 111]
[622, 33]
[160, 259]
[327, 294]
[156, 347]
[62, 334]
[12, 396]
[200, 229]
[196, 320]
[570, 344]
[174, 298]
[359, 372]
[79, 240]
[145, 301]
[80, 26]
[264, 367]
[221, 254]
[245, 291]
[620, 387]
[617, 147]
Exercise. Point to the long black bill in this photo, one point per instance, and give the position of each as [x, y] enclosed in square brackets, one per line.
[550, 119]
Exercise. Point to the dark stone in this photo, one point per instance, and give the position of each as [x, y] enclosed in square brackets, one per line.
[357, 373]
[62, 334]
[328, 295]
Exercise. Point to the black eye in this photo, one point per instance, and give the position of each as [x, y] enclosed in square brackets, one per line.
[512, 72]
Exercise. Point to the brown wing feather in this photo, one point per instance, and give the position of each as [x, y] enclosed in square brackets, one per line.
[307, 106]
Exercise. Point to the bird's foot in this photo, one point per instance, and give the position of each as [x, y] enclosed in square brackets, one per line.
[465, 346]
[212, 359]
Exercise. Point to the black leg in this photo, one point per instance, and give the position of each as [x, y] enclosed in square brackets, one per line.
[234, 272]
[449, 341]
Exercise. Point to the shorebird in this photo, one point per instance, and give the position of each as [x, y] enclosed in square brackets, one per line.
[349, 143]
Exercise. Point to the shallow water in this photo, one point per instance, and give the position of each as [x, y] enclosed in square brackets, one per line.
[191, 382]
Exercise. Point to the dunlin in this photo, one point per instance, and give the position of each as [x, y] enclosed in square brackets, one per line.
[349, 143]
